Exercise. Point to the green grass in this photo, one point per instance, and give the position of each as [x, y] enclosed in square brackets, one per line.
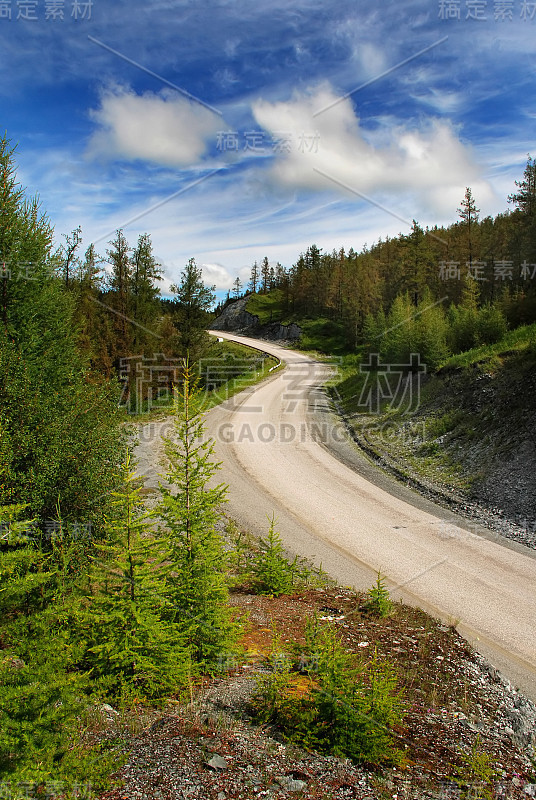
[323, 335]
[269, 307]
[319, 334]
[523, 338]
[222, 357]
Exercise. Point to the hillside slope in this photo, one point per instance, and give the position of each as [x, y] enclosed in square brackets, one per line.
[471, 438]
[237, 318]
[470, 441]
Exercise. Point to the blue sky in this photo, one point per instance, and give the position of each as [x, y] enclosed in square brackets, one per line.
[233, 129]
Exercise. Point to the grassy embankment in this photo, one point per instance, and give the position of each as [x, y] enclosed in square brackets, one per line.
[319, 334]
[226, 369]
[466, 422]
[470, 415]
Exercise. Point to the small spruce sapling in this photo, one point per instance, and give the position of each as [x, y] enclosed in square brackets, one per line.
[196, 586]
[134, 649]
[272, 573]
[379, 602]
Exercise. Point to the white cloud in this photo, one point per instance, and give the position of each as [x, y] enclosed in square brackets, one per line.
[160, 128]
[217, 275]
[429, 163]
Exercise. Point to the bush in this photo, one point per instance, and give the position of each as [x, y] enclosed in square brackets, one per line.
[343, 706]
[379, 602]
[491, 325]
[272, 573]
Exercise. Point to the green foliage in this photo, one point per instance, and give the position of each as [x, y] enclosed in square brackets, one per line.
[146, 271]
[521, 340]
[346, 707]
[39, 690]
[132, 649]
[272, 573]
[196, 585]
[192, 303]
[267, 307]
[477, 774]
[59, 423]
[341, 299]
[38, 707]
[379, 602]
[491, 325]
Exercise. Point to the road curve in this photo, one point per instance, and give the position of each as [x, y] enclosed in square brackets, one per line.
[274, 443]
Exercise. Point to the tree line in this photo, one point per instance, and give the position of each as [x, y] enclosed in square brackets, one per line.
[490, 262]
[99, 599]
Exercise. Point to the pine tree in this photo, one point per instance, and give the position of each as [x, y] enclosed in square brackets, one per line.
[58, 422]
[464, 318]
[193, 302]
[39, 696]
[189, 508]
[68, 255]
[88, 311]
[254, 280]
[265, 274]
[431, 332]
[146, 271]
[525, 198]
[272, 572]
[469, 215]
[133, 648]
[525, 201]
[120, 298]
[237, 287]
[12, 204]
[399, 340]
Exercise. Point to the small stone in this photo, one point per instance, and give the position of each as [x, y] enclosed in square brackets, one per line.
[217, 762]
[530, 789]
[295, 786]
[109, 710]
[222, 796]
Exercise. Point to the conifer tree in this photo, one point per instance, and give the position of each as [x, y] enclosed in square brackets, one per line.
[237, 287]
[254, 280]
[525, 197]
[265, 274]
[399, 340]
[193, 302]
[68, 255]
[525, 201]
[58, 421]
[431, 332]
[133, 647]
[120, 285]
[469, 215]
[189, 508]
[88, 311]
[464, 318]
[39, 699]
[146, 271]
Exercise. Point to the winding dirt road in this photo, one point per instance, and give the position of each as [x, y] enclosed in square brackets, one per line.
[284, 453]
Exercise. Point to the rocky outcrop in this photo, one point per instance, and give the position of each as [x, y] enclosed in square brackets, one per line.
[277, 331]
[235, 317]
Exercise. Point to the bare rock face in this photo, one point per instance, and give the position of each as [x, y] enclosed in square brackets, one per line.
[234, 317]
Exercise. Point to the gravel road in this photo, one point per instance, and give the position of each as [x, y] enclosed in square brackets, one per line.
[284, 453]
